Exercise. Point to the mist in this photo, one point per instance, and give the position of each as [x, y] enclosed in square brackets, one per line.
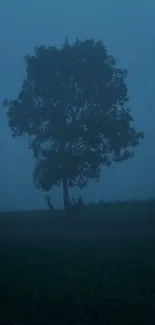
[127, 29]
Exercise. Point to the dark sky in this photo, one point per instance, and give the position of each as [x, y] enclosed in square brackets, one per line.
[127, 29]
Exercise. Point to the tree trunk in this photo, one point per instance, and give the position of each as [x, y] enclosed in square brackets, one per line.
[65, 194]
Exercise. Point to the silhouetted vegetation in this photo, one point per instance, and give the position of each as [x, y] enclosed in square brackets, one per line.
[95, 266]
[73, 105]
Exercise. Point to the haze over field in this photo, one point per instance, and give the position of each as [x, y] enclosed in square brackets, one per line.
[127, 29]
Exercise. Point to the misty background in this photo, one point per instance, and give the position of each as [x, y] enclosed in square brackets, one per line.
[127, 28]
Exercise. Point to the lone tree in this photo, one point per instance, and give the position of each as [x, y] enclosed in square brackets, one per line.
[72, 104]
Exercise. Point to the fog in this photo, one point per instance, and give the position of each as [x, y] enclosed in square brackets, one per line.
[127, 29]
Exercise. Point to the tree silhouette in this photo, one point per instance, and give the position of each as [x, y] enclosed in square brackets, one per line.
[72, 104]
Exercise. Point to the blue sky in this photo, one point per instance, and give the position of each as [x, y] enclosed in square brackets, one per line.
[127, 29]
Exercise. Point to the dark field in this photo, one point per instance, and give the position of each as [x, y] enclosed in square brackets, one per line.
[96, 269]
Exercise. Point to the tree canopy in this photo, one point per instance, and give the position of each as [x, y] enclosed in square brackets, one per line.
[73, 105]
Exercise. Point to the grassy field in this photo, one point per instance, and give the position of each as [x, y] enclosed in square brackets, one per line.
[95, 269]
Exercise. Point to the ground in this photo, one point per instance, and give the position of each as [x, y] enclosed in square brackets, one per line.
[95, 269]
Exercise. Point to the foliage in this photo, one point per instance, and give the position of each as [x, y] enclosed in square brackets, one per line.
[72, 104]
